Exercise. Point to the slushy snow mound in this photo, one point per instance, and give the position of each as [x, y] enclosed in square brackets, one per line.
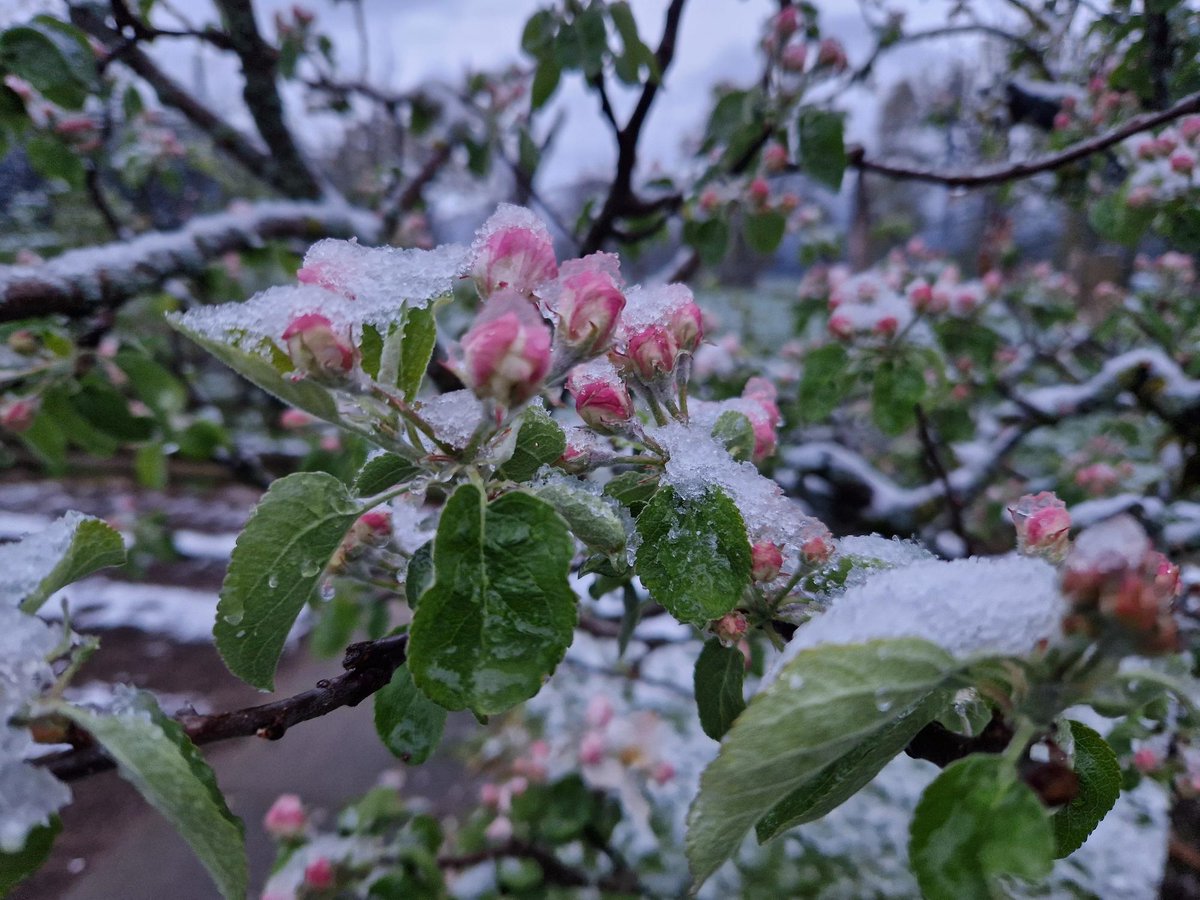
[1002, 605]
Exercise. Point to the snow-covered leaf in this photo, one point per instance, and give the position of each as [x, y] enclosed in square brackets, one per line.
[73, 547]
[540, 441]
[591, 517]
[827, 704]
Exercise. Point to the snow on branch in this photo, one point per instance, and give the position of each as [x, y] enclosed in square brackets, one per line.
[80, 282]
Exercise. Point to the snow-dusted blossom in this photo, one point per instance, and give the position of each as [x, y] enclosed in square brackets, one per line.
[316, 348]
[588, 302]
[506, 352]
[766, 559]
[1043, 525]
[286, 819]
[513, 251]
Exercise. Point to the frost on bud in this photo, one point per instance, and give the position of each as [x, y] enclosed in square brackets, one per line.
[687, 327]
[793, 57]
[18, 415]
[841, 327]
[1118, 586]
[663, 773]
[775, 158]
[319, 874]
[373, 528]
[588, 303]
[604, 406]
[763, 413]
[1043, 525]
[286, 819]
[832, 54]
[816, 549]
[766, 559]
[506, 352]
[514, 251]
[730, 628]
[787, 22]
[652, 352]
[317, 349]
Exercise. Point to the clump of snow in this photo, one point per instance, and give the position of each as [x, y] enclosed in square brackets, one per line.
[411, 521]
[25, 564]
[597, 370]
[453, 416]
[698, 463]
[891, 552]
[651, 305]
[509, 215]
[1119, 543]
[351, 286]
[999, 605]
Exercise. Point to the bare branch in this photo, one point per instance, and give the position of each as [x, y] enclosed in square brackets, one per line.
[369, 666]
[410, 193]
[857, 158]
[82, 282]
[261, 93]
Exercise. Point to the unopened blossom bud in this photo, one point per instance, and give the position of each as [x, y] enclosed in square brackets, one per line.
[517, 786]
[766, 559]
[500, 830]
[730, 628]
[920, 295]
[295, 419]
[303, 14]
[759, 192]
[1062, 120]
[319, 874]
[588, 307]
[709, 200]
[1182, 162]
[841, 327]
[793, 57]
[517, 256]
[1189, 127]
[1146, 760]
[787, 22]
[886, 326]
[1165, 144]
[1043, 525]
[317, 349]
[286, 819]
[663, 773]
[18, 416]
[603, 405]
[374, 529]
[832, 54]
[506, 353]
[817, 549]
[1143, 195]
[687, 327]
[775, 158]
[788, 202]
[599, 711]
[591, 749]
[490, 794]
[652, 352]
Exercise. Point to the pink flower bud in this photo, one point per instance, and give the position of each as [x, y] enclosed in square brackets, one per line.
[1146, 760]
[794, 57]
[286, 819]
[709, 200]
[1043, 525]
[489, 795]
[500, 830]
[1062, 120]
[1165, 144]
[920, 295]
[588, 306]
[730, 628]
[652, 352]
[316, 349]
[775, 158]
[817, 549]
[507, 350]
[599, 711]
[766, 559]
[1140, 196]
[993, 281]
[320, 274]
[886, 326]
[831, 53]
[663, 773]
[591, 749]
[517, 786]
[373, 528]
[841, 327]
[603, 405]
[1189, 127]
[318, 874]
[1182, 162]
[787, 22]
[295, 419]
[687, 327]
[518, 256]
[18, 416]
[788, 202]
[759, 192]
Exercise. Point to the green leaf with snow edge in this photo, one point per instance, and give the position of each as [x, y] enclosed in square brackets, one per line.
[73, 547]
[695, 556]
[500, 613]
[540, 441]
[1099, 787]
[276, 564]
[269, 371]
[590, 517]
[826, 704]
[153, 753]
[976, 823]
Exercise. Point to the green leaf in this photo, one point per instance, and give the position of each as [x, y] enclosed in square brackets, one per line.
[709, 237]
[718, 685]
[73, 547]
[540, 441]
[276, 564]
[16, 867]
[590, 517]
[416, 349]
[370, 350]
[54, 159]
[694, 557]
[632, 490]
[270, 374]
[825, 382]
[408, 722]
[150, 466]
[1099, 786]
[153, 753]
[822, 146]
[500, 613]
[898, 388]
[419, 576]
[154, 384]
[545, 82]
[975, 823]
[735, 431]
[50, 60]
[826, 703]
[338, 617]
[538, 34]
[557, 813]
[382, 472]
[764, 230]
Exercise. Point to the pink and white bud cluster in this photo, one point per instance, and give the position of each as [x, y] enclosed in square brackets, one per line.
[730, 628]
[601, 398]
[506, 351]
[1100, 478]
[286, 820]
[1164, 166]
[18, 415]
[319, 349]
[371, 531]
[1043, 525]
[660, 325]
[586, 302]
[614, 747]
[1118, 585]
[513, 251]
[866, 304]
